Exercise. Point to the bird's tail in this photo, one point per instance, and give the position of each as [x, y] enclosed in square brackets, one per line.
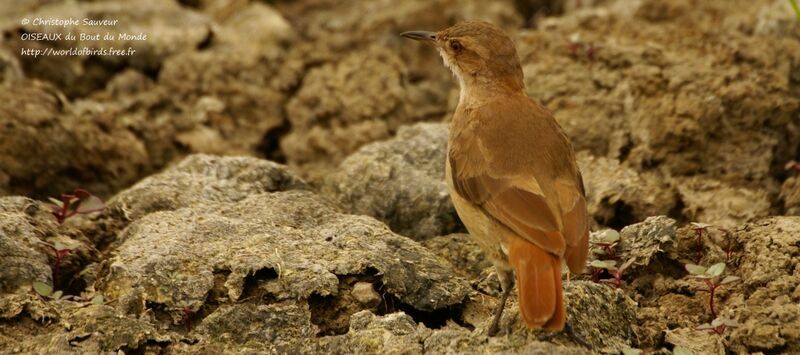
[541, 299]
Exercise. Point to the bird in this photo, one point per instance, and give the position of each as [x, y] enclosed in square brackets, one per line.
[511, 173]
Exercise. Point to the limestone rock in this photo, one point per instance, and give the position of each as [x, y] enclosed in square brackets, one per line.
[715, 202]
[790, 195]
[618, 195]
[294, 240]
[43, 142]
[400, 182]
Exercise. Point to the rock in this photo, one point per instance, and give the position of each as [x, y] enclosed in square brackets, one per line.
[765, 302]
[460, 340]
[233, 101]
[202, 179]
[777, 19]
[364, 80]
[603, 316]
[647, 240]
[462, 252]
[714, 202]
[364, 293]
[254, 23]
[696, 341]
[27, 235]
[292, 245]
[341, 106]
[44, 143]
[247, 327]
[660, 105]
[10, 68]
[618, 195]
[198, 180]
[21, 260]
[88, 328]
[790, 195]
[400, 182]
[398, 333]
[394, 333]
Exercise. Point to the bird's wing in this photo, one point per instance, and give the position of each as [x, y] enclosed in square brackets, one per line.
[514, 162]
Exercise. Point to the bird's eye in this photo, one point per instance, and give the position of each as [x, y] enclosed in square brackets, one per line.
[456, 46]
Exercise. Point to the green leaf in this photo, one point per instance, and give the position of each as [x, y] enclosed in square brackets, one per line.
[59, 246]
[630, 351]
[57, 295]
[90, 204]
[42, 288]
[730, 322]
[705, 326]
[716, 270]
[729, 279]
[696, 270]
[608, 236]
[603, 264]
[696, 225]
[679, 350]
[98, 299]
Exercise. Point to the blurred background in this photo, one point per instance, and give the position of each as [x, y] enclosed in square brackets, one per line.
[686, 108]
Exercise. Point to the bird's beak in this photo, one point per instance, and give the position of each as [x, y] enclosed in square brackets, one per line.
[420, 35]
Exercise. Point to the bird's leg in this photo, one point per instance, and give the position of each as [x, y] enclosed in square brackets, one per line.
[578, 339]
[570, 332]
[506, 283]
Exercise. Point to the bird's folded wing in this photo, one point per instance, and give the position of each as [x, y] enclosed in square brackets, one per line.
[553, 219]
[517, 203]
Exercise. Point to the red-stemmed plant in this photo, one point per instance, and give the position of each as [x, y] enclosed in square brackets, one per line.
[79, 201]
[712, 279]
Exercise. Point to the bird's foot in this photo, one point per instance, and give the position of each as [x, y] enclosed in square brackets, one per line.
[577, 338]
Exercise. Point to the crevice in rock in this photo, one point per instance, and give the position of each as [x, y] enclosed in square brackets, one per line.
[252, 289]
[532, 10]
[621, 216]
[149, 346]
[192, 4]
[331, 313]
[270, 145]
[676, 212]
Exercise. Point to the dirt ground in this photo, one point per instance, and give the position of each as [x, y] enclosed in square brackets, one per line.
[273, 176]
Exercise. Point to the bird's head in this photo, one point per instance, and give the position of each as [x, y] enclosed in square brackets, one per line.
[478, 53]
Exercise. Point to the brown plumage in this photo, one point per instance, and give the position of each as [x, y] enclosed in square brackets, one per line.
[512, 173]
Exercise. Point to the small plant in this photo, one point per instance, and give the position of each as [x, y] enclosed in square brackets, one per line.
[605, 244]
[718, 325]
[60, 252]
[186, 315]
[728, 244]
[699, 229]
[712, 279]
[79, 201]
[627, 350]
[610, 267]
[575, 46]
[793, 165]
[46, 291]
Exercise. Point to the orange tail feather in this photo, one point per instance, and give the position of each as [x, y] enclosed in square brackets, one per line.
[541, 299]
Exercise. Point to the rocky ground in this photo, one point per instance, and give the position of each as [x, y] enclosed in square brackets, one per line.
[273, 177]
